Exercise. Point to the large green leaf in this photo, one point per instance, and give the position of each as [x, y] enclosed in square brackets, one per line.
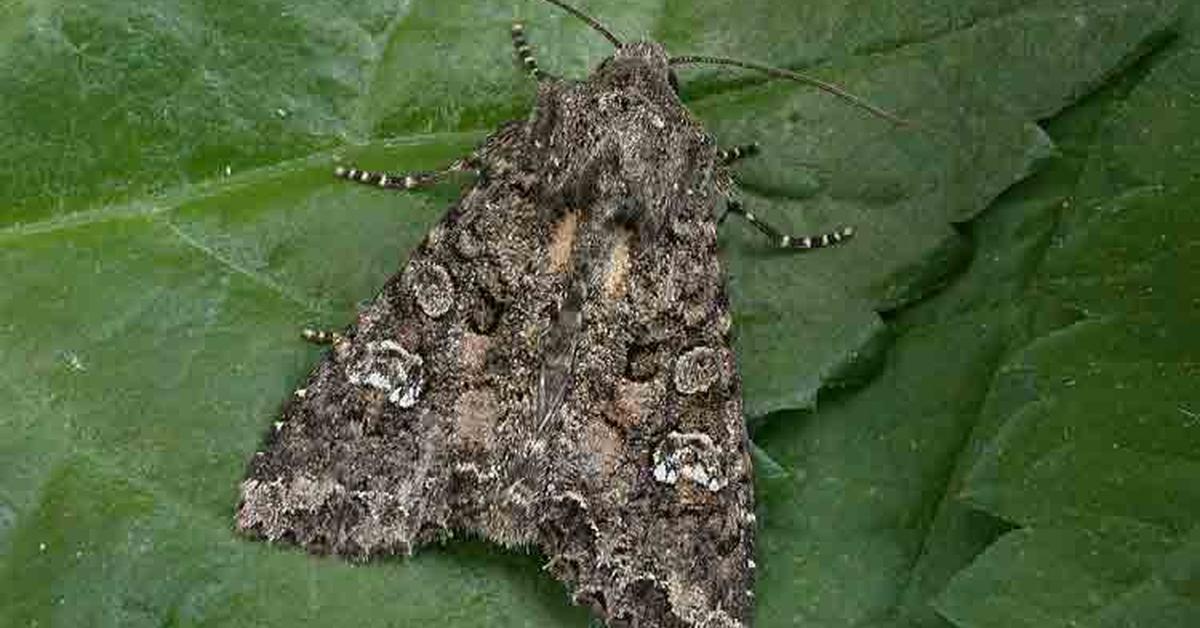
[1096, 447]
[1052, 386]
[170, 223]
[1086, 435]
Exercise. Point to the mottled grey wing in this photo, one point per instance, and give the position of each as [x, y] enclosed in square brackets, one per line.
[383, 447]
[648, 509]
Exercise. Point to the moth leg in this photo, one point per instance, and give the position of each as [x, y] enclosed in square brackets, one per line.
[406, 181]
[525, 53]
[737, 153]
[786, 241]
[321, 336]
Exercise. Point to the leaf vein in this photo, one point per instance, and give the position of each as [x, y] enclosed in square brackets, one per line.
[261, 280]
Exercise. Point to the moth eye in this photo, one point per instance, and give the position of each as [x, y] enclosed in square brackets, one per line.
[674, 81]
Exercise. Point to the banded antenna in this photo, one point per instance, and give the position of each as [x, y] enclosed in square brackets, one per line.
[591, 21]
[793, 76]
[770, 71]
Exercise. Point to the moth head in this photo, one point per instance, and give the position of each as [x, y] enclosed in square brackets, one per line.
[642, 64]
[637, 64]
[647, 61]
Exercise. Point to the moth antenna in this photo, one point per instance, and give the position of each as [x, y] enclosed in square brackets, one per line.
[794, 76]
[591, 21]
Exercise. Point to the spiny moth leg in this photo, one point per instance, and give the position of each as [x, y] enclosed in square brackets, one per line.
[781, 240]
[525, 53]
[785, 241]
[407, 181]
[737, 153]
[321, 336]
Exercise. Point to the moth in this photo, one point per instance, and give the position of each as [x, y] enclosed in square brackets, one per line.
[552, 367]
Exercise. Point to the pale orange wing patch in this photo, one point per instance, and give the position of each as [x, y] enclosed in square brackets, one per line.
[617, 275]
[562, 241]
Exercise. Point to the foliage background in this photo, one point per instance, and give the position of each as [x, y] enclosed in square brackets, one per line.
[1020, 449]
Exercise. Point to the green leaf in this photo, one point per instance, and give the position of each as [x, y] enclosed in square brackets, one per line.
[901, 188]
[1106, 574]
[1094, 438]
[170, 223]
[1099, 459]
[1052, 386]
